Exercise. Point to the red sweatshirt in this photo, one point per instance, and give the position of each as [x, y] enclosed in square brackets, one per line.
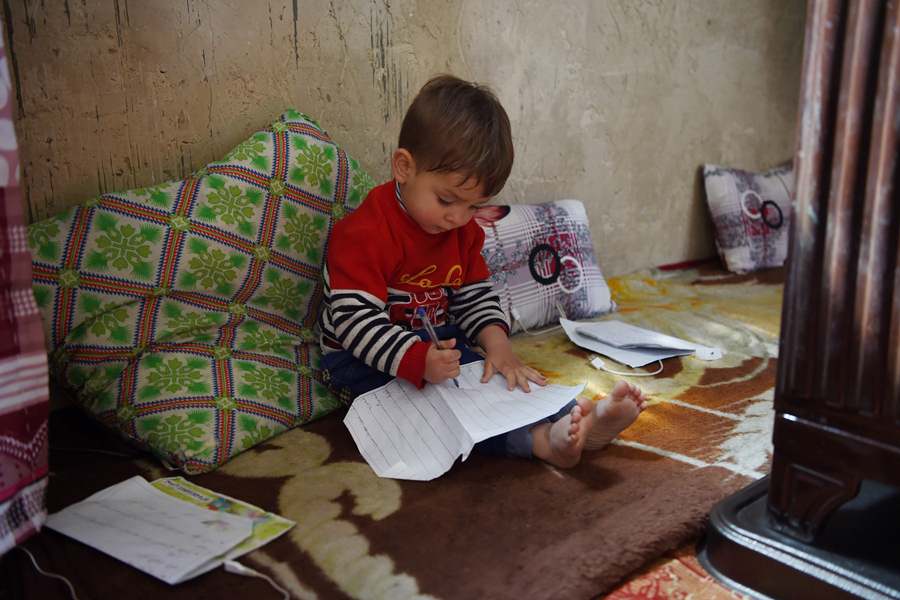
[381, 267]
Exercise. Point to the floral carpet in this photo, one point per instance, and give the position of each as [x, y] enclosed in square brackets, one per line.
[676, 577]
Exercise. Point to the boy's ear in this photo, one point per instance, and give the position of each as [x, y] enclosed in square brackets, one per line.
[403, 165]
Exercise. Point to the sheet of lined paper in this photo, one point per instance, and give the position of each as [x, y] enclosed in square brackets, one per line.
[407, 433]
[152, 531]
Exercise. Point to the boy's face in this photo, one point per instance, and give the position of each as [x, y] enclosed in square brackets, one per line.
[437, 201]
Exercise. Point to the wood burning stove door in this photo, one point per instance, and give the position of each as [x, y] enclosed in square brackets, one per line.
[837, 398]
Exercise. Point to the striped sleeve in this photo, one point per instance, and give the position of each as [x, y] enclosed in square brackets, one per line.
[474, 306]
[357, 321]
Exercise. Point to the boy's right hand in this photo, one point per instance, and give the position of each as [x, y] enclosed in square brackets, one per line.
[442, 363]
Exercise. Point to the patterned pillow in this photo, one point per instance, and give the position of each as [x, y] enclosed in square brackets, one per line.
[183, 314]
[751, 213]
[541, 255]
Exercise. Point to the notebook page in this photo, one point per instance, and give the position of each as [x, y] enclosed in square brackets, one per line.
[489, 409]
[624, 335]
[147, 529]
[406, 433]
[632, 358]
[632, 345]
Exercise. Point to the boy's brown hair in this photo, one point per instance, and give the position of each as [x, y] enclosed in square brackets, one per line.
[458, 126]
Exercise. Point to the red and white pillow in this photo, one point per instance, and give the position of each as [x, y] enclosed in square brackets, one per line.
[541, 255]
[751, 213]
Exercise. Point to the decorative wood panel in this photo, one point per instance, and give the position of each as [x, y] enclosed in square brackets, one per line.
[837, 414]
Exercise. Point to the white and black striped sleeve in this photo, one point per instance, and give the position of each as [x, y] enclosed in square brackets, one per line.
[475, 306]
[358, 321]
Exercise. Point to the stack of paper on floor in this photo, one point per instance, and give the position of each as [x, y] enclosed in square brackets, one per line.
[409, 433]
[172, 529]
[631, 345]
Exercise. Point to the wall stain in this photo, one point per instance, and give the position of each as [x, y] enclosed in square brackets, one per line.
[30, 23]
[118, 24]
[612, 14]
[185, 167]
[332, 12]
[13, 57]
[386, 74]
[48, 198]
[101, 180]
[271, 25]
[296, 38]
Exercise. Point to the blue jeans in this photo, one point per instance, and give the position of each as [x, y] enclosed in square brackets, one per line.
[351, 377]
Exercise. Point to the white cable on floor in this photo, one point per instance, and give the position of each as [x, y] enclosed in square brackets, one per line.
[96, 451]
[517, 318]
[49, 574]
[233, 566]
[598, 363]
[539, 332]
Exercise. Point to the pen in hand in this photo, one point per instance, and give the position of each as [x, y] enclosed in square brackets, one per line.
[420, 312]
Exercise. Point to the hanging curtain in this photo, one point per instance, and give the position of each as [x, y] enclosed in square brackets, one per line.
[23, 361]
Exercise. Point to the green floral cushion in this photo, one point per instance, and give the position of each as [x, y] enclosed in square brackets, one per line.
[184, 314]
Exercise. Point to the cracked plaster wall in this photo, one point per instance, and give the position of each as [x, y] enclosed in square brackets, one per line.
[614, 102]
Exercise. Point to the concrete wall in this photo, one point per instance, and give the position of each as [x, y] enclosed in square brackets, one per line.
[614, 102]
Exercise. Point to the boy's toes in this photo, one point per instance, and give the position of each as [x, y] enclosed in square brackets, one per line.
[576, 413]
[620, 390]
[574, 428]
[642, 401]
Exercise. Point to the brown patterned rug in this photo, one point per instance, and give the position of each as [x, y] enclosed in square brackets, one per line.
[497, 528]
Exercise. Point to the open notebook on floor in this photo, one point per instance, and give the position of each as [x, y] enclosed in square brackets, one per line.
[409, 433]
[171, 529]
[631, 345]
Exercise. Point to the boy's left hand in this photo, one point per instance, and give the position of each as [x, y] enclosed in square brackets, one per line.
[501, 359]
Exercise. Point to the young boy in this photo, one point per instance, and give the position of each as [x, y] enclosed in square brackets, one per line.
[412, 246]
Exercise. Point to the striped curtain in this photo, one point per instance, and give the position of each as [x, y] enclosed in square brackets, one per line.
[23, 361]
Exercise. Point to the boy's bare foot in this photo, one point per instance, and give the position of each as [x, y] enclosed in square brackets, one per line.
[587, 426]
[614, 414]
[561, 443]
